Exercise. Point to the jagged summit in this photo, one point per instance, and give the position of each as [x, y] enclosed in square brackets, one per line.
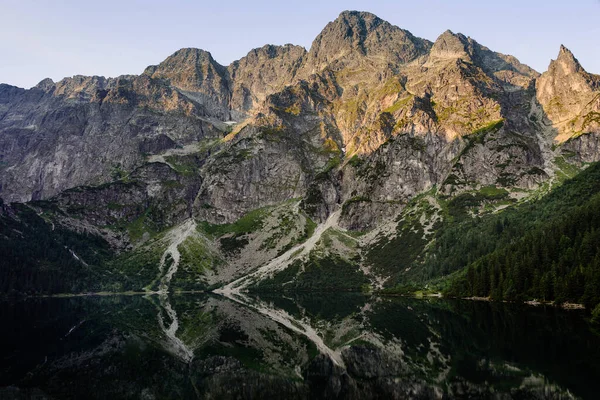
[353, 33]
[190, 54]
[199, 76]
[45, 85]
[186, 67]
[272, 51]
[358, 22]
[450, 48]
[570, 96]
[261, 72]
[450, 45]
[565, 63]
[358, 14]
[361, 34]
[363, 82]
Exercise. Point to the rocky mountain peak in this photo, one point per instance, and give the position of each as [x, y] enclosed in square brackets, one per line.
[79, 87]
[347, 33]
[189, 55]
[268, 51]
[273, 51]
[450, 45]
[451, 48]
[46, 85]
[185, 68]
[362, 82]
[357, 34]
[198, 76]
[570, 96]
[261, 72]
[565, 63]
[358, 21]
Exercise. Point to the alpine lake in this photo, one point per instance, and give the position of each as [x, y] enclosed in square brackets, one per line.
[288, 346]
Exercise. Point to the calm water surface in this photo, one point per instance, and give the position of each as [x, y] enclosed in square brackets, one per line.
[297, 346]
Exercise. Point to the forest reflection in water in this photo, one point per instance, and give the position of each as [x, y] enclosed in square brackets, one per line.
[310, 345]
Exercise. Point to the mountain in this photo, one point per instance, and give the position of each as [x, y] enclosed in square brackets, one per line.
[197, 76]
[350, 165]
[570, 97]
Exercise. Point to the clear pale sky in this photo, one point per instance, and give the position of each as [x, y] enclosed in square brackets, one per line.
[59, 38]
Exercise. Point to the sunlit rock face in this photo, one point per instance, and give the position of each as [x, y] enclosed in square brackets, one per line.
[366, 123]
[570, 96]
[362, 82]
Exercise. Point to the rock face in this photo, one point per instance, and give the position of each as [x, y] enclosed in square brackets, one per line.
[357, 35]
[262, 72]
[84, 130]
[197, 76]
[366, 120]
[570, 97]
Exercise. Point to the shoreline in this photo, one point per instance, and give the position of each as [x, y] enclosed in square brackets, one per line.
[534, 303]
[99, 294]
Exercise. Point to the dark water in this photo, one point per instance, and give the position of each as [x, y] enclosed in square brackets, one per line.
[305, 346]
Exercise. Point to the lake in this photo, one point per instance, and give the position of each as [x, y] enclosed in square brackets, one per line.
[306, 346]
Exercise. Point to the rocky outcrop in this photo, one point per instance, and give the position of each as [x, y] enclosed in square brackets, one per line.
[260, 73]
[355, 36]
[197, 76]
[262, 166]
[363, 81]
[84, 131]
[570, 97]
[155, 188]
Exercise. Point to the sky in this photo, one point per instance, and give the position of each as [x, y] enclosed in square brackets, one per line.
[58, 38]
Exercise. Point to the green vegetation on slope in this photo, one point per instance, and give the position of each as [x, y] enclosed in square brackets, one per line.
[547, 249]
[38, 257]
[233, 236]
[250, 222]
[318, 273]
[197, 257]
[557, 260]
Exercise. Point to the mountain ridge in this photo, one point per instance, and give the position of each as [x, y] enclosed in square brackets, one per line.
[394, 136]
[344, 14]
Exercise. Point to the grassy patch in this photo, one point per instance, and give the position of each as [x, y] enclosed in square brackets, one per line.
[356, 199]
[249, 223]
[356, 161]
[491, 127]
[399, 104]
[196, 259]
[590, 119]
[566, 170]
[138, 269]
[184, 166]
[327, 273]
[140, 226]
[332, 164]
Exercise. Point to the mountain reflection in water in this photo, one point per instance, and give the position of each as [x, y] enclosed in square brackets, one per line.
[292, 346]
